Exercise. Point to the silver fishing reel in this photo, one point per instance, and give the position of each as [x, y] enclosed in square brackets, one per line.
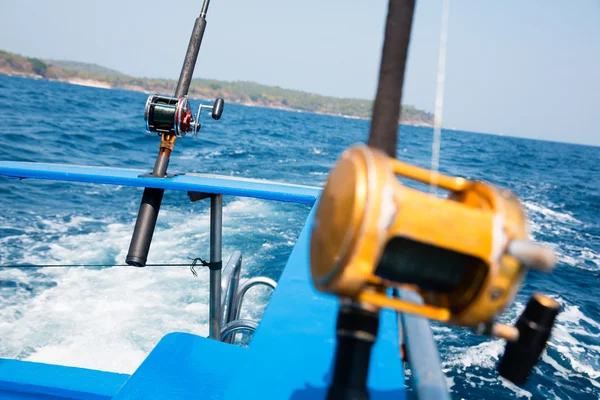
[173, 116]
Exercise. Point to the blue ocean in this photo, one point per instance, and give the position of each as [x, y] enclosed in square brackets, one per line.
[110, 318]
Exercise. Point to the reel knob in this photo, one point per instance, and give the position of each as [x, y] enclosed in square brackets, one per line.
[218, 108]
[534, 325]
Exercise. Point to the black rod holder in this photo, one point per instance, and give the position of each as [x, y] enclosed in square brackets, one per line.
[356, 331]
[152, 198]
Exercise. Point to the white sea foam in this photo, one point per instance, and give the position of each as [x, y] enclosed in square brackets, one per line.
[584, 358]
[519, 392]
[485, 355]
[546, 221]
[110, 318]
[105, 319]
[550, 214]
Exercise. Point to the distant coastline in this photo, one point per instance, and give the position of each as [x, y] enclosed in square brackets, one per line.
[247, 93]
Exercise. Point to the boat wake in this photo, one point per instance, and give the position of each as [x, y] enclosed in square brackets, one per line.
[110, 318]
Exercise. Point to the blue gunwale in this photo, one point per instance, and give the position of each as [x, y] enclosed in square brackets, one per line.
[205, 183]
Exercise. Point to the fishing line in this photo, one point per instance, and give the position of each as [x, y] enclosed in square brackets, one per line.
[439, 99]
[195, 261]
[85, 265]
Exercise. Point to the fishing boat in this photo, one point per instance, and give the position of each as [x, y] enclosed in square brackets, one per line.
[374, 262]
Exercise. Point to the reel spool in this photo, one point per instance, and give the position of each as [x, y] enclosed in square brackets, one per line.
[466, 255]
[173, 116]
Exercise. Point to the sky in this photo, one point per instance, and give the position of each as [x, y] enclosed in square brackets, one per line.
[520, 68]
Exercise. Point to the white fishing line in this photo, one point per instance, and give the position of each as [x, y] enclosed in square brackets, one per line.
[439, 98]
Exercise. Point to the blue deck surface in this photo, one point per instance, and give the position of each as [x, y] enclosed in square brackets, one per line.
[291, 353]
[185, 366]
[289, 357]
[205, 183]
[29, 380]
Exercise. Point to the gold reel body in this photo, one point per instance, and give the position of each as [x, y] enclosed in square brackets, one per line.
[371, 232]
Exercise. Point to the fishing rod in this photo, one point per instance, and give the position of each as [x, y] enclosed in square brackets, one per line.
[358, 323]
[383, 134]
[170, 118]
[465, 255]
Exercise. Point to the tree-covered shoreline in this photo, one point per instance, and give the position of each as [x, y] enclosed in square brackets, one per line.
[242, 92]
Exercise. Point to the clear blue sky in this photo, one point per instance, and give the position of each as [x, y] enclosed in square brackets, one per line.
[522, 68]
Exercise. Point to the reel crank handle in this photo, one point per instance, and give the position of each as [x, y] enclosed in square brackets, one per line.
[534, 327]
[216, 112]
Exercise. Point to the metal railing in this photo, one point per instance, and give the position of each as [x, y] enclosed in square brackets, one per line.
[228, 331]
[226, 292]
[233, 296]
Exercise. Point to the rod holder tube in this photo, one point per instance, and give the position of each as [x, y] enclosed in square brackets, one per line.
[144, 227]
[216, 236]
[356, 333]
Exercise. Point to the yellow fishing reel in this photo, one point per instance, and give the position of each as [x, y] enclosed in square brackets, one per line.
[466, 254]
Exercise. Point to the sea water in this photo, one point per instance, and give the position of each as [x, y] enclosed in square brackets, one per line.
[110, 318]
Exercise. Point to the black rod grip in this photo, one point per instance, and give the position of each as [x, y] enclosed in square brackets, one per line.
[386, 108]
[356, 332]
[144, 227]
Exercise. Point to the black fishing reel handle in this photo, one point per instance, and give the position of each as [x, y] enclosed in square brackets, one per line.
[534, 326]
